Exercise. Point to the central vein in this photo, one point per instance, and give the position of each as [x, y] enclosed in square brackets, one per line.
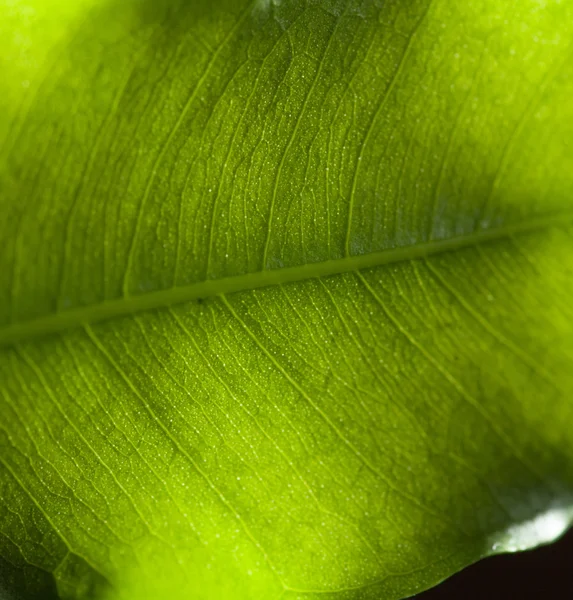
[128, 305]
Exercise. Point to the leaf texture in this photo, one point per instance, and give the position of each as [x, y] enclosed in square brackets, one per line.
[284, 294]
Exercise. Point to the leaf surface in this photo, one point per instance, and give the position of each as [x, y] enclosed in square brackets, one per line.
[285, 294]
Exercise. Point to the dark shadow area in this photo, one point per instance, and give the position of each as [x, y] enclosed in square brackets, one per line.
[20, 580]
[544, 573]
[25, 583]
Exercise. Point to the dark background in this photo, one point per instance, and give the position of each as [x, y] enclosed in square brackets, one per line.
[542, 574]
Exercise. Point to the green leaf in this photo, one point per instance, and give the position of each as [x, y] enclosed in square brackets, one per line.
[285, 293]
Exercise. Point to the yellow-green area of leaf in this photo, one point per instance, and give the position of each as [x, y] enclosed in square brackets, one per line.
[285, 294]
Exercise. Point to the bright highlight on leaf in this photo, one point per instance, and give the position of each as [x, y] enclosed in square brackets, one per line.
[542, 529]
[285, 294]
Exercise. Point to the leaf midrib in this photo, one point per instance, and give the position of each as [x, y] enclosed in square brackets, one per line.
[128, 305]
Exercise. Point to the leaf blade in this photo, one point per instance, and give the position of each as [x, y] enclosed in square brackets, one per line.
[363, 432]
